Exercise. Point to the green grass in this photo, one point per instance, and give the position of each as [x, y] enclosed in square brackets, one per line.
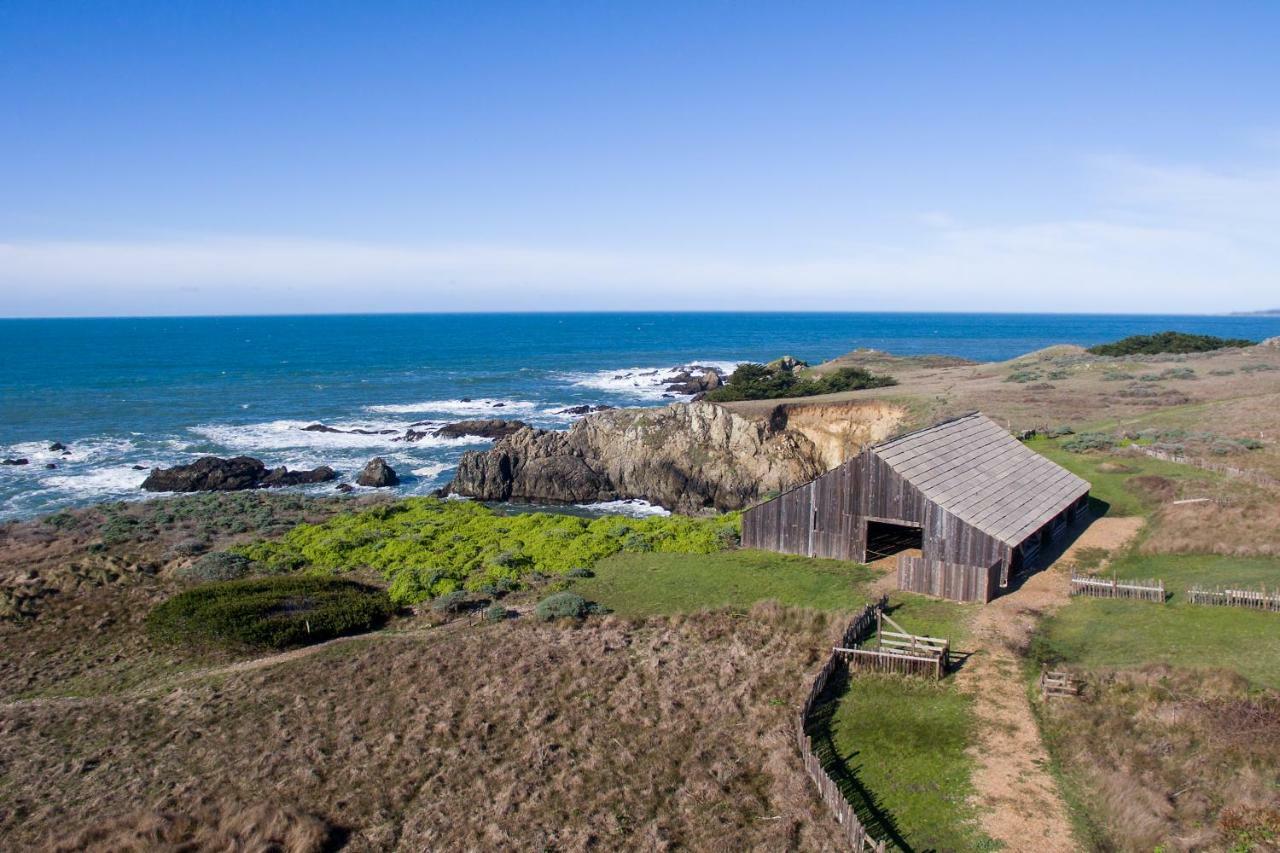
[1096, 633]
[1112, 486]
[1180, 571]
[654, 583]
[897, 748]
[932, 617]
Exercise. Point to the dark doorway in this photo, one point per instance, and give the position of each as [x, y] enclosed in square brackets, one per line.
[885, 539]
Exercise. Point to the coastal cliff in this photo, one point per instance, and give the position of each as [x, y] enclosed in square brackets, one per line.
[685, 456]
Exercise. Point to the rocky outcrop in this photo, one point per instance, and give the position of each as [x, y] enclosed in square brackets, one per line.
[695, 380]
[485, 428]
[685, 456]
[378, 474]
[213, 474]
[14, 461]
[327, 428]
[839, 431]
[584, 410]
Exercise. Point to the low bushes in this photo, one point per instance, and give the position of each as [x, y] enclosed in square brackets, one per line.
[564, 605]
[218, 566]
[780, 379]
[1167, 342]
[427, 547]
[271, 613]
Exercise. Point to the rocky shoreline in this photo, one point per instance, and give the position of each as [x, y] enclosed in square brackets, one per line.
[687, 457]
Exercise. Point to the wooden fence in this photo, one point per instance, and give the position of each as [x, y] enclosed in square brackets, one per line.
[948, 580]
[852, 829]
[1054, 683]
[1258, 599]
[1149, 590]
[1258, 478]
[885, 660]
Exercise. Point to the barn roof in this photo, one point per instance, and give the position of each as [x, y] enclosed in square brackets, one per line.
[974, 469]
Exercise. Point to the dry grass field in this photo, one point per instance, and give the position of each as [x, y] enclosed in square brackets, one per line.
[655, 734]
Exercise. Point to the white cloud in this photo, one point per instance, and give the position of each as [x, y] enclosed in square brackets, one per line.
[1168, 239]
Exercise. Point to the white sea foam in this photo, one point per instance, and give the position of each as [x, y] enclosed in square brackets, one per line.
[85, 450]
[435, 469]
[645, 383]
[97, 483]
[637, 508]
[496, 408]
[290, 435]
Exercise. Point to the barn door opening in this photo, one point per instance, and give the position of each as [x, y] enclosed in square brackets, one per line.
[885, 539]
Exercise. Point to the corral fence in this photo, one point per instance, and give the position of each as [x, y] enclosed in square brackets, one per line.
[1258, 599]
[1096, 587]
[1055, 683]
[898, 651]
[955, 581]
[1258, 478]
[851, 828]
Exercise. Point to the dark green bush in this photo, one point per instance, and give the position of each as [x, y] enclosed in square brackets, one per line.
[495, 613]
[218, 566]
[274, 613]
[580, 573]
[563, 605]
[1167, 342]
[771, 381]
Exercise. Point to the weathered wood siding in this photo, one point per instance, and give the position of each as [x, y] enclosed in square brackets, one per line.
[955, 581]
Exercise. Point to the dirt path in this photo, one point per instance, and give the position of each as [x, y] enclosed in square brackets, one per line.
[1016, 796]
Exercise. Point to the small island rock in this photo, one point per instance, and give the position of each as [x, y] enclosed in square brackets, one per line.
[378, 474]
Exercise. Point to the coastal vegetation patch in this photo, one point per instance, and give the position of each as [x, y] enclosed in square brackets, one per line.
[426, 547]
[269, 613]
[787, 378]
[1163, 343]
[650, 584]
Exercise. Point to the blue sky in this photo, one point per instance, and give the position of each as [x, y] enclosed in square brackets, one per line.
[162, 158]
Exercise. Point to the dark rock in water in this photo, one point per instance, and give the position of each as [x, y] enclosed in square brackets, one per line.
[378, 474]
[413, 435]
[696, 380]
[284, 477]
[50, 466]
[499, 405]
[14, 461]
[327, 428]
[139, 467]
[57, 445]
[213, 474]
[345, 488]
[584, 410]
[486, 428]
[465, 400]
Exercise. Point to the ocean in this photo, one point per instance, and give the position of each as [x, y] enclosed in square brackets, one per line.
[151, 392]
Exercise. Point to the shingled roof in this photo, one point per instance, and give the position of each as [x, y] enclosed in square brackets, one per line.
[974, 469]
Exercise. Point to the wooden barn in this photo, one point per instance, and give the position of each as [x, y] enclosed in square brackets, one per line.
[964, 504]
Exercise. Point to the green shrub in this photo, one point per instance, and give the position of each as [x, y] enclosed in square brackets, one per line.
[426, 547]
[495, 613]
[771, 381]
[1086, 441]
[563, 605]
[451, 602]
[580, 572]
[1166, 342]
[271, 613]
[218, 566]
[1249, 443]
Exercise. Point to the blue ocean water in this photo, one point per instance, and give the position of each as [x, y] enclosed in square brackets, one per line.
[126, 392]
